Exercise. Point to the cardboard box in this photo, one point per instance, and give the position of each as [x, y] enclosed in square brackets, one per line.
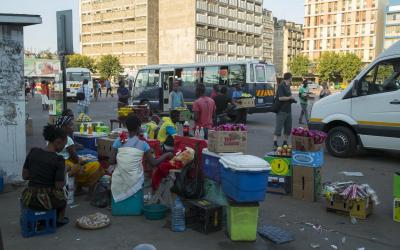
[53, 119]
[104, 147]
[55, 107]
[29, 127]
[280, 165]
[279, 184]
[396, 209]
[306, 183]
[308, 159]
[306, 144]
[227, 141]
[56, 95]
[245, 103]
[357, 209]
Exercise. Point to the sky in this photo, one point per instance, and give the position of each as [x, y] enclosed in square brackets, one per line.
[44, 36]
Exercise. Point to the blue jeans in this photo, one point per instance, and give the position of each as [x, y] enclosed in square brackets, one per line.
[82, 109]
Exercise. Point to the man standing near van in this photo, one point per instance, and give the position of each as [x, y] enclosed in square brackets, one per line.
[204, 110]
[284, 114]
[176, 97]
[83, 105]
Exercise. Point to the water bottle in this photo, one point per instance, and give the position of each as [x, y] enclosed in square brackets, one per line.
[197, 132]
[178, 216]
[1, 183]
[201, 133]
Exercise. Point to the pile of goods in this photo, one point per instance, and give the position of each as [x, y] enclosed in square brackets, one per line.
[318, 137]
[123, 112]
[245, 101]
[231, 127]
[93, 221]
[83, 118]
[357, 200]
[285, 150]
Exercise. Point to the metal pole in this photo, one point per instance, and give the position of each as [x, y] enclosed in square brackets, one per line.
[64, 81]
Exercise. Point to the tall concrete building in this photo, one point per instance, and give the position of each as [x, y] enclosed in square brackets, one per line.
[268, 35]
[209, 31]
[344, 26]
[142, 32]
[392, 23]
[288, 42]
[124, 28]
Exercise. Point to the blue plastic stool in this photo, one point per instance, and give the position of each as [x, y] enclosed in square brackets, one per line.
[34, 223]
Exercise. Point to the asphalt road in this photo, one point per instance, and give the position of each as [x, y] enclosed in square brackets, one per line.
[377, 232]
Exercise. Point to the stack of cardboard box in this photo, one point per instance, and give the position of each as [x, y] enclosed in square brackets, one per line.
[307, 160]
[280, 177]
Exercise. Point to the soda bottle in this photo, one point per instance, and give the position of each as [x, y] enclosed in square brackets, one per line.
[178, 217]
[186, 128]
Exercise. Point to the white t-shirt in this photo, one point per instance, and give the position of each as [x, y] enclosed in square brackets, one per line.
[65, 153]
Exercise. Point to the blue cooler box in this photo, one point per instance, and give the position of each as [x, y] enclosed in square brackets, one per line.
[86, 142]
[212, 166]
[243, 177]
[308, 159]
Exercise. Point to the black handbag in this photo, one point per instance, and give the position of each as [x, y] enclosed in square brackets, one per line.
[276, 105]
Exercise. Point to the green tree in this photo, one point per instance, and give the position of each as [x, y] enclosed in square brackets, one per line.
[329, 66]
[80, 61]
[299, 65]
[350, 66]
[108, 66]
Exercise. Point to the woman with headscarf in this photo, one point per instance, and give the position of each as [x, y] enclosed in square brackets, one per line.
[86, 172]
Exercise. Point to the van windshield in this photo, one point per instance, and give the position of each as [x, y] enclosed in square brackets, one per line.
[78, 76]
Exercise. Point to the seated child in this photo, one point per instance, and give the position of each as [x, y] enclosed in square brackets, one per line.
[45, 171]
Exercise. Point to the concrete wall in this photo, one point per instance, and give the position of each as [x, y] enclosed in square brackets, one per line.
[12, 102]
[177, 31]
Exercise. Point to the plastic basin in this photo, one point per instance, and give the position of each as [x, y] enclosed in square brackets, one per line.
[155, 211]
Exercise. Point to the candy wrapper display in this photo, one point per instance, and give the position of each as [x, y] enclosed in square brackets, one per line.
[231, 127]
[182, 158]
[350, 191]
[317, 136]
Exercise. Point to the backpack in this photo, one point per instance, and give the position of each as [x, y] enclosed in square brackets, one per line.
[80, 96]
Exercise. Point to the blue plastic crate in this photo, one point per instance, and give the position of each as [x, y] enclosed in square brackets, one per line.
[34, 223]
[212, 166]
[131, 206]
[308, 159]
[244, 186]
[86, 142]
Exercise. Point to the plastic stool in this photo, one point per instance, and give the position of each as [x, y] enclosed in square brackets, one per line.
[34, 223]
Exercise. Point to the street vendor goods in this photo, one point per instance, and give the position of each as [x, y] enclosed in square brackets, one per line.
[280, 165]
[309, 159]
[307, 140]
[350, 198]
[244, 177]
[227, 141]
[183, 158]
[83, 118]
[93, 221]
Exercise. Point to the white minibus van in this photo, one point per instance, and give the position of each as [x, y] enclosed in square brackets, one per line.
[367, 112]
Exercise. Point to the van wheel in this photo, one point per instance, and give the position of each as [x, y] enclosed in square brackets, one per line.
[341, 142]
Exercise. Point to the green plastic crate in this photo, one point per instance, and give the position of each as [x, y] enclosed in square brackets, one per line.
[242, 221]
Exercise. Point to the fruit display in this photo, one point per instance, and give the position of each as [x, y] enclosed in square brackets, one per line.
[285, 150]
[317, 136]
[246, 95]
[124, 111]
[83, 118]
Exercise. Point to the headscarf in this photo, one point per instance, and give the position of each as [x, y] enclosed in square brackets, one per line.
[63, 120]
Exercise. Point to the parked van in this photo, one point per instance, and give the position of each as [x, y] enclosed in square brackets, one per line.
[367, 112]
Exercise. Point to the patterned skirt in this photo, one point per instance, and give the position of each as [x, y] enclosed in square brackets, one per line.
[40, 198]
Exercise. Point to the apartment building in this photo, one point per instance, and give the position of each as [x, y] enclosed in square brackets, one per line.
[392, 23]
[344, 26]
[124, 28]
[268, 36]
[209, 31]
[288, 42]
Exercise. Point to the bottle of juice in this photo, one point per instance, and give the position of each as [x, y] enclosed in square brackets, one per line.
[81, 128]
[186, 128]
[90, 129]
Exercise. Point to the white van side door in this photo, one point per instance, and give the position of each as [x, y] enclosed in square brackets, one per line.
[376, 108]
